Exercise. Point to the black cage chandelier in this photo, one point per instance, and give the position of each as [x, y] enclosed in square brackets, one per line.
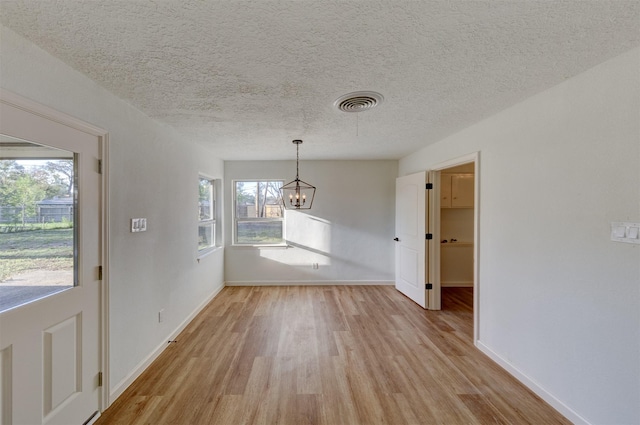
[297, 195]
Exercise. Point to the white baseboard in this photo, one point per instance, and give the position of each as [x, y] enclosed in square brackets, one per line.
[308, 282]
[533, 386]
[118, 389]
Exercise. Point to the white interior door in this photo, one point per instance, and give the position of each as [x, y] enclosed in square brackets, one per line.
[418, 238]
[50, 347]
[410, 237]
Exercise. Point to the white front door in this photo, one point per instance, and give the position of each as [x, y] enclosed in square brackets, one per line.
[50, 347]
[410, 237]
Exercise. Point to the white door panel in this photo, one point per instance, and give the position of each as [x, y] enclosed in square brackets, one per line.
[409, 266]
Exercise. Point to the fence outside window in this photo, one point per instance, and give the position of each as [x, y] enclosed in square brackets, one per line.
[45, 212]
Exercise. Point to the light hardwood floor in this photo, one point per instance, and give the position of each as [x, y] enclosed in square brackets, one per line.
[328, 355]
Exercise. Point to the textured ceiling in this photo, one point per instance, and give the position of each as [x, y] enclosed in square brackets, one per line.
[247, 77]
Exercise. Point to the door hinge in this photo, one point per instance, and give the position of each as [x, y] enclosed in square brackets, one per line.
[99, 272]
[429, 236]
[428, 286]
[99, 379]
[99, 166]
[429, 186]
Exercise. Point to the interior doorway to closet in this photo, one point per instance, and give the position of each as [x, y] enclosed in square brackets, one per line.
[457, 226]
[455, 252]
[437, 235]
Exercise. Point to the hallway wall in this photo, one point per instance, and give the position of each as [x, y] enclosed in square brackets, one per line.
[153, 173]
[559, 301]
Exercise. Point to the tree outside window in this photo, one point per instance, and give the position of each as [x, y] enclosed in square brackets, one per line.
[206, 214]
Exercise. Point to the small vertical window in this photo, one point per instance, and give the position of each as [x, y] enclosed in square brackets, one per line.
[206, 214]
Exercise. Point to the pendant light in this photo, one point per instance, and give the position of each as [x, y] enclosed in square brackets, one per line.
[297, 195]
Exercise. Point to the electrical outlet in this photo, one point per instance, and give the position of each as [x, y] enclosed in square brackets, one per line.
[161, 316]
[315, 266]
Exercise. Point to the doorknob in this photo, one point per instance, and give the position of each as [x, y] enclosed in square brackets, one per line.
[396, 239]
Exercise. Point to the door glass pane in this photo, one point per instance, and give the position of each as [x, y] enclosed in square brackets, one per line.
[38, 206]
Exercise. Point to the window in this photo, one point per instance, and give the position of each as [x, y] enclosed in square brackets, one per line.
[258, 212]
[206, 214]
[39, 240]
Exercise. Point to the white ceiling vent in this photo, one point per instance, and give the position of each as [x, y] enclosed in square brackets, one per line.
[358, 101]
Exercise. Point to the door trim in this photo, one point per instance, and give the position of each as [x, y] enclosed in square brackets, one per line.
[465, 159]
[51, 114]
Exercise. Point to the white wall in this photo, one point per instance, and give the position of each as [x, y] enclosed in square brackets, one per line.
[559, 301]
[456, 259]
[153, 173]
[456, 223]
[348, 232]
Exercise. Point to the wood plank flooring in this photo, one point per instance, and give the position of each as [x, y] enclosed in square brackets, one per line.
[328, 355]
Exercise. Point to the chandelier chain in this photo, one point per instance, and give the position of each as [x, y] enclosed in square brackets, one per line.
[297, 161]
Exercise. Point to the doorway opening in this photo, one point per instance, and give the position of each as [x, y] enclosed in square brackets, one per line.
[454, 262]
[457, 237]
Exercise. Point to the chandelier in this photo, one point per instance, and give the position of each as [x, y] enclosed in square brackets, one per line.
[297, 195]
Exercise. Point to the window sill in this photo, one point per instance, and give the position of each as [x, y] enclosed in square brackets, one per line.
[208, 251]
[261, 246]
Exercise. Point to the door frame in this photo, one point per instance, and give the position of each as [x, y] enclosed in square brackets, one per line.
[35, 108]
[434, 256]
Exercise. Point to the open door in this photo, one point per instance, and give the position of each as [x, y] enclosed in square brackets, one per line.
[416, 213]
[50, 353]
[411, 237]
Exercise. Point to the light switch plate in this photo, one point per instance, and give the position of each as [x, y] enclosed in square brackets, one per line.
[623, 231]
[138, 225]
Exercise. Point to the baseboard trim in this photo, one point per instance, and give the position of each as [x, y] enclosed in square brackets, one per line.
[533, 386]
[308, 282]
[118, 389]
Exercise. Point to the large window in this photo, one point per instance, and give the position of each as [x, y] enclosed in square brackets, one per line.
[206, 214]
[258, 212]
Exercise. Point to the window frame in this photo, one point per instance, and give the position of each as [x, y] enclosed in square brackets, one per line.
[236, 220]
[212, 220]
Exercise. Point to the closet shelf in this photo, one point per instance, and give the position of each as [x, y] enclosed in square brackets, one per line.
[456, 244]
